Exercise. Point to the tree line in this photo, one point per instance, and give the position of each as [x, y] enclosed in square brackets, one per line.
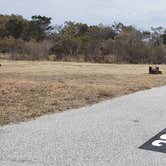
[38, 39]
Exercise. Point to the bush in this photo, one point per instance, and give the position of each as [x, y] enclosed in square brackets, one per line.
[37, 50]
[7, 44]
[22, 50]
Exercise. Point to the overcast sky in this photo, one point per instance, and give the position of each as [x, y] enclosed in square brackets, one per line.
[140, 13]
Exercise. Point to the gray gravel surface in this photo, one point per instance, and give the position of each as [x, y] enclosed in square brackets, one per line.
[105, 134]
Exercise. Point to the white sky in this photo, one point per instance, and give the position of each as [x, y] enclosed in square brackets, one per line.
[141, 13]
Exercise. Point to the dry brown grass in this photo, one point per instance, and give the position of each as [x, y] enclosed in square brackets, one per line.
[31, 89]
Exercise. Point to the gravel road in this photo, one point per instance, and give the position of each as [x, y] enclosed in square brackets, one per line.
[105, 134]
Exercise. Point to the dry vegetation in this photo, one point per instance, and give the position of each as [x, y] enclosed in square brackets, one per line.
[31, 89]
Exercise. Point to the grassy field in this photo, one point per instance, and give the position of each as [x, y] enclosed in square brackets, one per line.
[32, 89]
